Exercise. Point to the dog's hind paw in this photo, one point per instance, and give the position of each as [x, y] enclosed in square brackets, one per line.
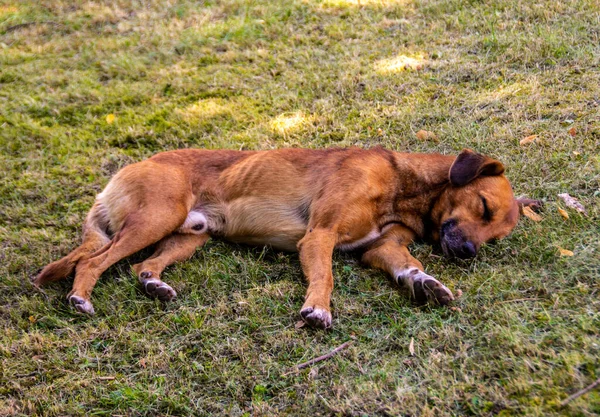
[156, 288]
[81, 304]
[316, 317]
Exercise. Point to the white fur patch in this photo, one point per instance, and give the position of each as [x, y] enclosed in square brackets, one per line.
[318, 315]
[410, 275]
[195, 222]
[370, 237]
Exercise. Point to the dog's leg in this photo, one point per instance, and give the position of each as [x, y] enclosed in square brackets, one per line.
[174, 248]
[390, 254]
[316, 251]
[141, 229]
[94, 238]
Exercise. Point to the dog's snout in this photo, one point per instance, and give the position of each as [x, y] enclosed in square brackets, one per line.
[447, 226]
[454, 242]
[468, 250]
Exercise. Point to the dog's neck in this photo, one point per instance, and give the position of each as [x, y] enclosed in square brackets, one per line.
[423, 179]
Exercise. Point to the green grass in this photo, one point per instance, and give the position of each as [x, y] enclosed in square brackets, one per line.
[259, 74]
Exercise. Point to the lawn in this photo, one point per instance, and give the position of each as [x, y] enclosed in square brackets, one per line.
[87, 87]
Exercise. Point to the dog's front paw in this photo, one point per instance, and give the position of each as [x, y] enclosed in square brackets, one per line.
[316, 317]
[431, 290]
[81, 304]
[424, 288]
[156, 288]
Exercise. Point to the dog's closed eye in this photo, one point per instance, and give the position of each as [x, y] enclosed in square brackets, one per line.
[487, 213]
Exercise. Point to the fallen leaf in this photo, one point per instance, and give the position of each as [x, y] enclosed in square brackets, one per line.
[313, 373]
[527, 212]
[565, 252]
[563, 213]
[572, 131]
[426, 135]
[110, 118]
[300, 324]
[576, 153]
[527, 140]
[32, 319]
[143, 363]
[411, 346]
[572, 202]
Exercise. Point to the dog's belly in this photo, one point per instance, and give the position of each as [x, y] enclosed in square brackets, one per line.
[256, 221]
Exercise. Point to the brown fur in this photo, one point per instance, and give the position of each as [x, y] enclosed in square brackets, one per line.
[313, 201]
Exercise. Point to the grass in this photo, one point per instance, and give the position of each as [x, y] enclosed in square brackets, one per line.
[258, 74]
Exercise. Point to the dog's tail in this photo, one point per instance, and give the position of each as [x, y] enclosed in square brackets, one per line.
[95, 236]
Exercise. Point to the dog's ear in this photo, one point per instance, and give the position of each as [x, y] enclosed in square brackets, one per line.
[535, 205]
[469, 165]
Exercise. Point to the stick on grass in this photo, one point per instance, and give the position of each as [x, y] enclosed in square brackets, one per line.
[321, 358]
[580, 393]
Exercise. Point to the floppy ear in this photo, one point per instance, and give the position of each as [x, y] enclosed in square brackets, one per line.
[469, 165]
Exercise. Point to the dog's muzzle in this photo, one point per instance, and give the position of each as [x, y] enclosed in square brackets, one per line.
[454, 243]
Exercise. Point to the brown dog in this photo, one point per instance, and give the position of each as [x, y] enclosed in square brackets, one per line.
[313, 201]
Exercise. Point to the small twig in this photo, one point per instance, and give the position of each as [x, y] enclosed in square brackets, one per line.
[516, 300]
[26, 375]
[580, 392]
[320, 358]
[26, 24]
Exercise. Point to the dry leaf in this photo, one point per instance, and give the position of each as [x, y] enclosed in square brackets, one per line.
[313, 373]
[142, 363]
[572, 131]
[572, 202]
[300, 324]
[565, 252]
[426, 135]
[110, 118]
[411, 346]
[527, 140]
[576, 153]
[563, 213]
[32, 319]
[527, 212]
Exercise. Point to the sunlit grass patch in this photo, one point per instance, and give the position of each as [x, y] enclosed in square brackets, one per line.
[289, 122]
[205, 109]
[365, 3]
[401, 63]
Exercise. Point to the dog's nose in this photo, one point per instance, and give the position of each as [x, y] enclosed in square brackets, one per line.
[468, 249]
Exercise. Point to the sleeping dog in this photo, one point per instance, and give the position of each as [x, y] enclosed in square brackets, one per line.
[313, 201]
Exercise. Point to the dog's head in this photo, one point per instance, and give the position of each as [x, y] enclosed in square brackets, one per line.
[477, 206]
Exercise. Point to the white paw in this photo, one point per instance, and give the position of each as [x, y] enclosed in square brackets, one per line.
[425, 288]
[82, 305]
[316, 317]
[158, 289]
